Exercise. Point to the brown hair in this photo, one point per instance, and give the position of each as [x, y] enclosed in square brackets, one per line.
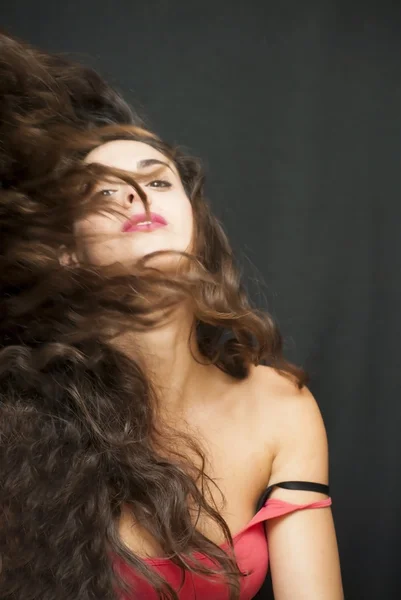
[78, 434]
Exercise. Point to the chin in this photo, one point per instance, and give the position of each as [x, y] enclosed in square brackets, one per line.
[165, 261]
[148, 248]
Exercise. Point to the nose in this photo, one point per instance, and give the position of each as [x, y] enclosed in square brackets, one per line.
[132, 197]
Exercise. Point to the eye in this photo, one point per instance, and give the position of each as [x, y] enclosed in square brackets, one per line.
[107, 192]
[159, 183]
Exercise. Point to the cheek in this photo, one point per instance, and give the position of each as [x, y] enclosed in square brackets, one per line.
[177, 209]
[95, 224]
[92, 237]
[187, 224]
[184, 209]
[188, 214]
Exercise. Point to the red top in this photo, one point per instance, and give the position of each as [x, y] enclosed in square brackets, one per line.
[250, 550]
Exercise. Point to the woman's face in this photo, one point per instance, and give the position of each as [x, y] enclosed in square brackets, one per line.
[129, 235]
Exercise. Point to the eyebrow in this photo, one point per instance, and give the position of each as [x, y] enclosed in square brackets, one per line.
[149, 162]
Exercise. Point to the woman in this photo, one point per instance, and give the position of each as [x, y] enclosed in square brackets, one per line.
[152, 435]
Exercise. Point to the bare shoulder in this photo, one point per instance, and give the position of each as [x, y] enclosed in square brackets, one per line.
[279, 396]
[291, 419]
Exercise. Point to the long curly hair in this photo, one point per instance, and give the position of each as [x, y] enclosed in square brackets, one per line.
[79, 437]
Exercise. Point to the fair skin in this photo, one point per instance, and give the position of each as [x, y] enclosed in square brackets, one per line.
[255, 432]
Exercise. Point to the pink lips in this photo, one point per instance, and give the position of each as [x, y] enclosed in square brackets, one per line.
[143, 223]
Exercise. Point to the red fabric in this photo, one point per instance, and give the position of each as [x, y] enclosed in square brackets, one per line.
[251, 552]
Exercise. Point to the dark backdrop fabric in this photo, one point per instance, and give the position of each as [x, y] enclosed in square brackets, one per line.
[295, 108]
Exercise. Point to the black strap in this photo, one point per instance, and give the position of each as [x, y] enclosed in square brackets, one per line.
[306, 486]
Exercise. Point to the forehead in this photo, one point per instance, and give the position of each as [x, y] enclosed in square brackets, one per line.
[124, 154]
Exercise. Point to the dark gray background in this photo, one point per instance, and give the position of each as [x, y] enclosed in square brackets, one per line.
[295, 108]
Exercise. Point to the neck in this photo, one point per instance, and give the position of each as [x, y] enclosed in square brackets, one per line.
[173, 361]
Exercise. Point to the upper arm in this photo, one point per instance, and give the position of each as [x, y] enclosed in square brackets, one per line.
[303, 550]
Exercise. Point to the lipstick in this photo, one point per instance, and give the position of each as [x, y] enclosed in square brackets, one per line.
[144, 222]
